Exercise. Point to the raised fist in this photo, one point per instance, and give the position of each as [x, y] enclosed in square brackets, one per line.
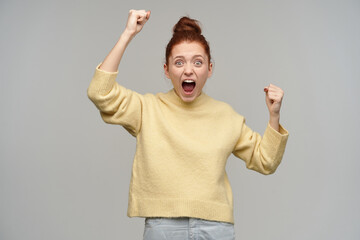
[136, 21]
[273, 98]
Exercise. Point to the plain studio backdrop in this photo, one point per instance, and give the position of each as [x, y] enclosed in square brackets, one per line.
[64, 173]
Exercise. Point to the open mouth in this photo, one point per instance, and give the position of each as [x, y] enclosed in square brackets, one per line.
[188, 86]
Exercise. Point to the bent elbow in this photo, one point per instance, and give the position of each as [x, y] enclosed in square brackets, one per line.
[269, 171]
[265, 168]
[91, 94]
[270, 167]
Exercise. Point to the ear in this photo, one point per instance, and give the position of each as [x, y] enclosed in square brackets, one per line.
[166, 71]
[210, 70]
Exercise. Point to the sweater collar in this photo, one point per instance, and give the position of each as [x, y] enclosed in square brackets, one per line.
[173, 97]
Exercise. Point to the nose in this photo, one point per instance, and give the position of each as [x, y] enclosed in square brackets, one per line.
[188, 70]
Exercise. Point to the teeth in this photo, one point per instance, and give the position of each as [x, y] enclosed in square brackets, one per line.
[189, 81]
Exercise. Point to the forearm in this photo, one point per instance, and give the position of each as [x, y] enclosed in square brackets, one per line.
[274, 121]
[112, 60]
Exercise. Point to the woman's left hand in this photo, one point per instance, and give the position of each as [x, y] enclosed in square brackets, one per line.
[274, 96]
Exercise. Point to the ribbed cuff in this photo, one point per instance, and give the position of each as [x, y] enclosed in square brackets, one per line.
[102, 81]
[97, 68]
[274, 143]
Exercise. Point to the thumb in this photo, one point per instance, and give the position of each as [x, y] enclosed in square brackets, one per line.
[148, 14]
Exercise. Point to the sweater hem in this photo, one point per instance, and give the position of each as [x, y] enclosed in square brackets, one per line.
[176, 207]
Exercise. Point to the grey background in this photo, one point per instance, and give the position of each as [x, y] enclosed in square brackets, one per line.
[64, 174]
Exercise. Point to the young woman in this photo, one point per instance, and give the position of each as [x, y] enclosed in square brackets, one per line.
[184, 138]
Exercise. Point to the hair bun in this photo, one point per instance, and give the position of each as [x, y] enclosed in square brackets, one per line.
[187, 30]
[187, 24]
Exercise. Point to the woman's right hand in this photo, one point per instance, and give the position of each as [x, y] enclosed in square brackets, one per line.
[136, 21]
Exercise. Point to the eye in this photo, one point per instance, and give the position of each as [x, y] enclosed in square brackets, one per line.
[198, 63]
[178, 63]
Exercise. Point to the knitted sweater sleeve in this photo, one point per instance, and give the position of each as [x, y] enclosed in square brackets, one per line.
[117, 104]
[261, 153]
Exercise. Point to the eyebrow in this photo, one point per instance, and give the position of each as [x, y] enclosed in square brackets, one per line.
[195, 56]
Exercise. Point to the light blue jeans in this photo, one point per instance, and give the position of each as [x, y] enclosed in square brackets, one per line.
[185, 228]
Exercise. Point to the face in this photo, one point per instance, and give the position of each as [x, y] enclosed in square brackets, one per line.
[188, 68]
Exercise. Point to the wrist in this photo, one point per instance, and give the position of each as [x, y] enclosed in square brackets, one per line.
[274, 116]
[127, 35]
[275, 122]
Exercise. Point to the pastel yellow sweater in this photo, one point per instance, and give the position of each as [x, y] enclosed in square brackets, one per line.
[182, 149]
